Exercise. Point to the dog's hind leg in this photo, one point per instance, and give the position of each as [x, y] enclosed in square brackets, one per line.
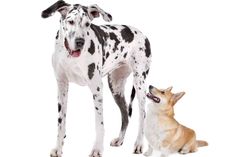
[117, 80]
[62, 108]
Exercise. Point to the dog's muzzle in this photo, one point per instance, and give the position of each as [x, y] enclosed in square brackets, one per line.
[73, 53]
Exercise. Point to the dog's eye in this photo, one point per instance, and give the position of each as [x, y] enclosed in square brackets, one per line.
[162, 92]
[71, 22]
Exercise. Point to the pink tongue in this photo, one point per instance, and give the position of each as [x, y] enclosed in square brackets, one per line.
[76, 53]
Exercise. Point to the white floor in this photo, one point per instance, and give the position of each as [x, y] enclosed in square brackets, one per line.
[193, 50]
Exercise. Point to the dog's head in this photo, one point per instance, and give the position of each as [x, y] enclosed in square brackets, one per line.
[163, 99]
[75, 23]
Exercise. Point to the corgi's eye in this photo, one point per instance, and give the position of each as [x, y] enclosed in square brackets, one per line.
[162, 92]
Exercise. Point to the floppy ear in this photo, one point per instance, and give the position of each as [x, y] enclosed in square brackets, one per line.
[178, 96]
[169, 89]
[59, 6]
[94, 11]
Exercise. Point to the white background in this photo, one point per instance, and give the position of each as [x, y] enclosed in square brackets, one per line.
[193, 50]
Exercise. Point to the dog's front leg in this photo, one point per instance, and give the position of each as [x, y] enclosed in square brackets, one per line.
[62, 108]
[96, 88]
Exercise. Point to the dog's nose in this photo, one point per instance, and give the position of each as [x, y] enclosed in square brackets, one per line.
[79, 42]
[151, 87]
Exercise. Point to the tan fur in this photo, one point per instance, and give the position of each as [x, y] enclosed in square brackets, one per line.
[170, 135]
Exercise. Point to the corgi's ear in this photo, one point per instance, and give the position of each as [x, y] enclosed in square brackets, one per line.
[169, 89]
[177, 96]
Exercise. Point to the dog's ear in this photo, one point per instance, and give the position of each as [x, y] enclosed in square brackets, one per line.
[177, 96]
[169, 89]
[94, 11]
[59, 6]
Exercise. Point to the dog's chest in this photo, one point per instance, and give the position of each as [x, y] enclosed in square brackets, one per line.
[69, 67]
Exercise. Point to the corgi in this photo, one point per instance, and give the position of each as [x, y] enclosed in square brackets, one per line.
[162, 131]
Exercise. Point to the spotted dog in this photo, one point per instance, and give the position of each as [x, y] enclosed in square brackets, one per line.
[84, 53]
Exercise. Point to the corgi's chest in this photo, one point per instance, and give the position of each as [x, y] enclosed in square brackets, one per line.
[154, 133]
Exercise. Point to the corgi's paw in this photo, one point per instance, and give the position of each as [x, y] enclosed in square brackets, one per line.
[116, 142]
[147, 153]
[184, 151]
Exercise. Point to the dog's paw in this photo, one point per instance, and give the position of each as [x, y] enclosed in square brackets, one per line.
[116, 142]
[138, 149]
[95, 153]
[55, 153]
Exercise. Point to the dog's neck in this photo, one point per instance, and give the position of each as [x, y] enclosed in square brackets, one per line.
[163, 112]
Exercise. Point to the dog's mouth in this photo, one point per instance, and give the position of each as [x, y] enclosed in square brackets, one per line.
[73, 53]
[154, 98]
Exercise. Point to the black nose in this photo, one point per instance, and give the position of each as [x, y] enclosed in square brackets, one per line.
[79, 42]
[151, 87]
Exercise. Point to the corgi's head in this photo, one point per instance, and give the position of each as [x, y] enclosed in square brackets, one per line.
[163, 99]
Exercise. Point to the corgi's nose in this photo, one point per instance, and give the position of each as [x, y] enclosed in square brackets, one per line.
[151, 87]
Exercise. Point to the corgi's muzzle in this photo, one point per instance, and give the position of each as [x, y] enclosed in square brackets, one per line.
[154, 98]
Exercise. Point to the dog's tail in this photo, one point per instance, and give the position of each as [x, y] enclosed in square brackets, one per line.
[201, 143]
[131, 101]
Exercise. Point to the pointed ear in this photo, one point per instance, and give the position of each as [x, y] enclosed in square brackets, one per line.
[94, 11]
[59, 6]
[169, 89]
[178, 96]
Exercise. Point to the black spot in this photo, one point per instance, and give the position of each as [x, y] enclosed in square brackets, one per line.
[100, 100]
[88, 33]
[125, 55]
[144, 75]
[107, 55]
[97, 108]
[135, 32]
[101, 36]
[59, 120]
[91, 69]
[141, 49]
[114, 37]
[147, 72]
[122, 47]
[59, 107]
[87, 24]
[147, 48]
[102, 123]
[103, 61]
[64, 136]
[57, 35]
[98, 89]
[92, 48]
[94, 96]
[116, 57]
[75, 6]
[84, 9]
[127, 34]
[110, 17]
[112, 27]
[104, 27]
